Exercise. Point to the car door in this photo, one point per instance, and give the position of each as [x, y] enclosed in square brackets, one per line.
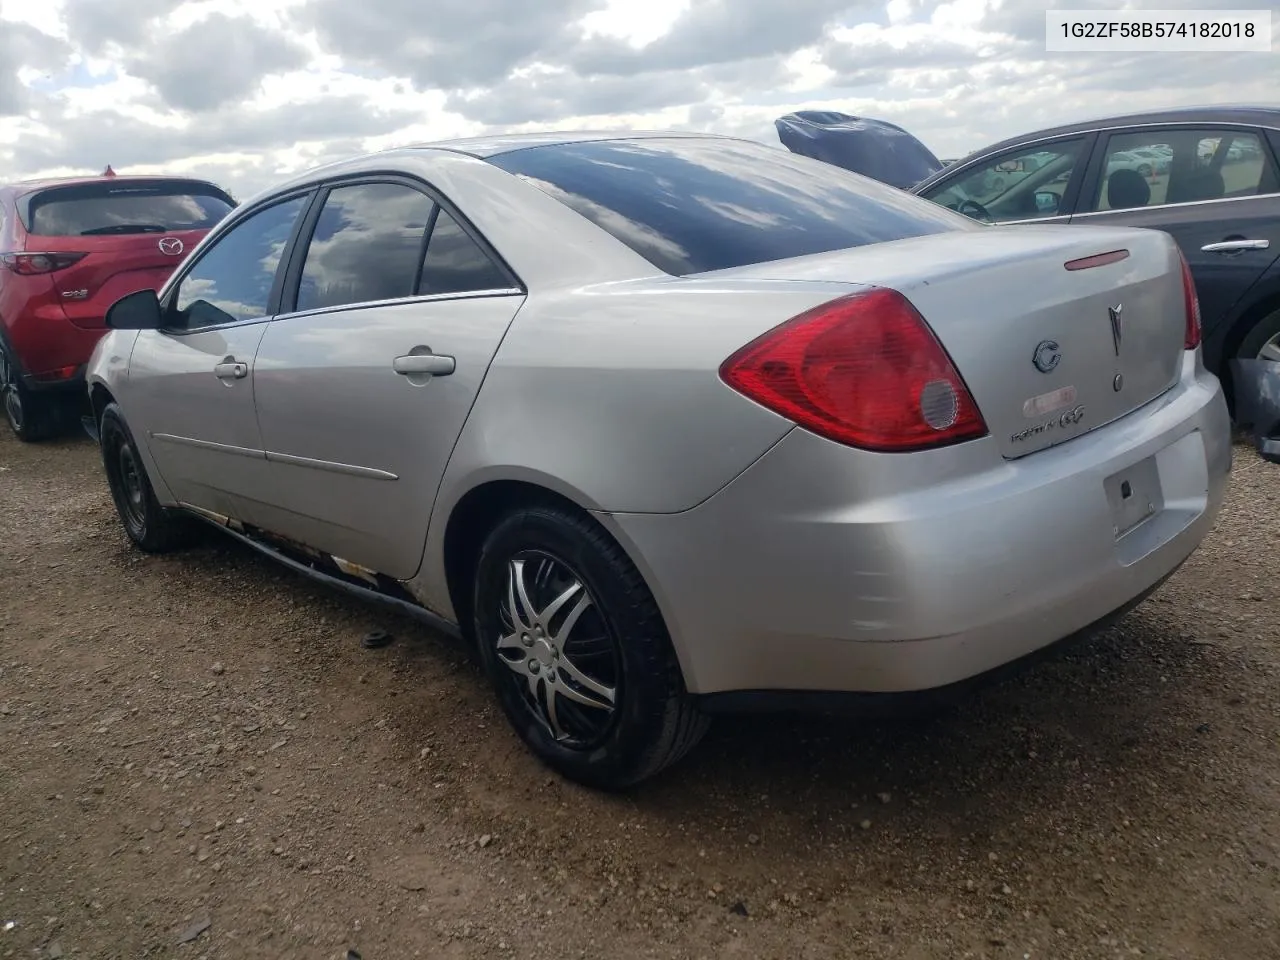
[396, 308]
[191, 382]
[1037, 181]
[1217, 197]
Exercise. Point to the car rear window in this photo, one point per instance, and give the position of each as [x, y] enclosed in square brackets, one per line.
[690, 205]
[120, 208]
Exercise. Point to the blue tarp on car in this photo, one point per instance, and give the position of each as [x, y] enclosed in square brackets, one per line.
[873, 148]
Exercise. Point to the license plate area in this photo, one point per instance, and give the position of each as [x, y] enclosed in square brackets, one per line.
[1135, 496]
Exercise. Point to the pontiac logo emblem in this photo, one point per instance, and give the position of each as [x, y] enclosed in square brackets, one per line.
[170, 246]
[1117, 326]
[1047, 355]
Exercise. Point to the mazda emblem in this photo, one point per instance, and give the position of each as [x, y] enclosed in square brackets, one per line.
[171, 246]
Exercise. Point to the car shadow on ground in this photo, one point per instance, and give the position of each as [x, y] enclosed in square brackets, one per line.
[1084, 711]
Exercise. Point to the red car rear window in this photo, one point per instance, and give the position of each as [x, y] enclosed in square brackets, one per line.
[119, 208]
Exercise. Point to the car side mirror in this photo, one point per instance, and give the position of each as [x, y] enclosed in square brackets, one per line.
[1047, 202]
[137, 311]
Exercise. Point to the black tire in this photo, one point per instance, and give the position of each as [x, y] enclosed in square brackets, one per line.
[30, 416]
[1261, 333]
[150, 526]
[619, 642]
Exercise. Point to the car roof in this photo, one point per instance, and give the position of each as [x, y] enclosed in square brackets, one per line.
[21, 188]
[1253, 115]
[484, 147]
[473, 148]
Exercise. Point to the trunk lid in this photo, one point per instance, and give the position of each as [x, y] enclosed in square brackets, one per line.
[125, 233]
[112, 267]
[1049, 352]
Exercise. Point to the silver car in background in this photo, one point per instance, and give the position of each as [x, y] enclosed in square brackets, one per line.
[668, 424]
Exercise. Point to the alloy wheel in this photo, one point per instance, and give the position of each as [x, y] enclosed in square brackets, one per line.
[562, 656]
[1271, 349]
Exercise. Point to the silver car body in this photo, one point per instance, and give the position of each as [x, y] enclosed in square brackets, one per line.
[780, 560]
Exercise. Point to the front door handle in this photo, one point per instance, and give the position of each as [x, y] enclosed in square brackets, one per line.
[231, 370]
[424, 365]
[1234, 246]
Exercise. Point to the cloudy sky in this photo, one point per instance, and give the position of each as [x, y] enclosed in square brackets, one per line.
[243, 91]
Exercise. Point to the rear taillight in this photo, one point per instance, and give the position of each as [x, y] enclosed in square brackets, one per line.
[61, 373]
[864, 370]
[1192, 338]
[30, 264]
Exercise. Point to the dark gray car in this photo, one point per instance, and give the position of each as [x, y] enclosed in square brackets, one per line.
[1218, 196]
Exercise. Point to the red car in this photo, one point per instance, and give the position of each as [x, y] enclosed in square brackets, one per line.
[70, 248]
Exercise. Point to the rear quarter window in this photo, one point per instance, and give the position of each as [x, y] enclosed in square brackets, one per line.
[104, 209]
[695, 205]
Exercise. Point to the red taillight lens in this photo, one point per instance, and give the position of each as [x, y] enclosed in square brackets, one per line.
[1192, 339]
[61, 373]
[30, 264]
[864, 370]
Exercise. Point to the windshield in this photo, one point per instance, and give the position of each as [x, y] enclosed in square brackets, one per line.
[691, 205]
[119, 208]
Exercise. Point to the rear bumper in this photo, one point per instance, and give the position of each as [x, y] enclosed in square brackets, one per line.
[826, 569]
[69, 385]
[43, 340]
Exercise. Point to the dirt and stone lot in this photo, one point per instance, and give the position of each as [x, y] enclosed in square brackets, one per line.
[199, 759]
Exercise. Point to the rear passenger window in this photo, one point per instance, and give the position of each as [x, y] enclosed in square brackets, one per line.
[1152, 168]
[366, 246]
[457, 264]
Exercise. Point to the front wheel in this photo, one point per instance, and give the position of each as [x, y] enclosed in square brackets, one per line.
[1262, 342]
[576, 648]
[149, 525]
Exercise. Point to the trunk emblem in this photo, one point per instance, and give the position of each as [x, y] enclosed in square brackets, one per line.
[1047, 355]
[170, 246]
[1117, 326]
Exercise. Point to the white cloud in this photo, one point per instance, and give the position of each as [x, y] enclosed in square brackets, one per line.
[636, 23]
[246, 91]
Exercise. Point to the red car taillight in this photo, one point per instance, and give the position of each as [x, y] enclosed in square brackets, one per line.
[61, 373]
[1192, 338]
[30, 264]
[864, 370]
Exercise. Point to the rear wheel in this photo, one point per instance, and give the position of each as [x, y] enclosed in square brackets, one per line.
[576, 648]
[1263, 341]
[150, 526]
[31, 417]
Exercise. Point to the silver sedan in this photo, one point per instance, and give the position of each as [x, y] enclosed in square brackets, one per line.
[670, 424]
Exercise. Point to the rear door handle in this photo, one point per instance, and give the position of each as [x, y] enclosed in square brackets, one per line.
[1232, 246]
[424, 364]
[231, 370]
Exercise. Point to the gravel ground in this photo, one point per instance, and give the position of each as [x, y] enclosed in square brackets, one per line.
[199, 759]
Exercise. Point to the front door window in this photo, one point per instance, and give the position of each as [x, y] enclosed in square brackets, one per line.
[1019, 185]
